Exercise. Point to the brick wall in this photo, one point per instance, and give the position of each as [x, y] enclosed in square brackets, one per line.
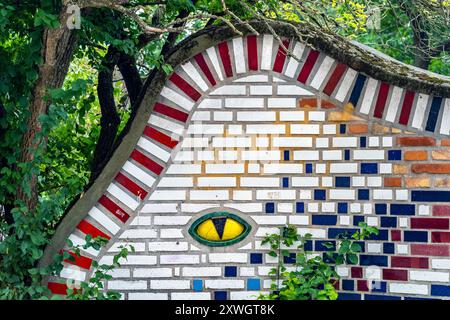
[245, 129]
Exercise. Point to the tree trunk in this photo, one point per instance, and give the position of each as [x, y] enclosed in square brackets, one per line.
[57, 51]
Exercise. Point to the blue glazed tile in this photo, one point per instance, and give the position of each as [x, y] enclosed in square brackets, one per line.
[285, 182]
[255, 258]
[230, 271]
[417, 298]
[357, 220]
[430, 196]
[368, 260]
[363, 194]
[270, 207]
[220, 295]
[362, 245]
[349, 296]
[378, 286]
[342, 128]
[403, 209]
[380, 297]
[197, 285]
[415, 236]
[440, 290]
[300, 207]
[348, 285]
[388, 248]
[434, 114]
[319, 194]
[363, 142]
[357, 88]
[290, 258]
[286, 155]
[308, 168]
[369, 168]
[324, 220]
[394, 155]
[388, 222]
[342, 207]
[253, 284]
[334, 232]
[308, 245]
[382, 235]
[380, 208]
[320, 245]
[342, 182]
[347, 154]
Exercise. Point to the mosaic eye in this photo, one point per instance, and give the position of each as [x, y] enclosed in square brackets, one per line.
[219, 229]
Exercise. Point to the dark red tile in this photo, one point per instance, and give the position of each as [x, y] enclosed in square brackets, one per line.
[440, 237]
[131, 186]
[313, 55]
[88, 228]
[170, 112]
[225, 58]
[430, 250]
[441, 210]
[381, 100]
[280, 57]
[396, 235]
[146, 162]
[395, 274]
[205, 69]
[80, 261]
[409, 262]
[357, 272]
[429, 223]
[362, 285]
[334, 79]
[406, 107]
[252, 52]
[184, 86]
[112, 207]
[160, 137]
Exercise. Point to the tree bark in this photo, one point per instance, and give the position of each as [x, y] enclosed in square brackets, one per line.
[57, 51]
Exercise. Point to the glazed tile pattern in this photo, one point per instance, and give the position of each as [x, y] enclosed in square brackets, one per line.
[246, 129]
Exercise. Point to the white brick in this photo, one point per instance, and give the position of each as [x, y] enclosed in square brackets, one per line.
[269, 220]
[274, 168]
[122, 196]
[153, 149]
[316, 233]
[368, 154]
[138, 234]
[175, 182]
[147, 296]
[244, 295]
[168, 195]
[292, 90]
[190, 295]
[261, 155]
[194, 142]
[429, 276]
[316, 116]
[227, 257]
[322, 72]
[224, 284]
[343, 271]
[285, 207]
[209, 194]
[424, 210]
[177, 98]
[244, 103]
[138, 173]
[246, 272]
[204, 155]
[138, 260]
[229, 90]
[259, 182]
[184, 156]
[293, 63]
[305, 181]
[223, 116]
[408, 288]
[382, 194]
[385, 168]
[166, 124]
[292, 115]
[332, 155]
[77, 241]
[374, 247]
[306, 155]
[192, 72]
[440, 264]
[103, 220]
[261, 90]
[160, 246]
[344, 220]
[184, 169]
[242, 195]
[374, 181]
[305, 129]
[228, 168]
[262, 142]
[302, 220]
[202, 128]
[275, 194]
[179, 259]
[152, 273]
[329, 129]
[282, 102]
[159, 208]
[256, 116]
[127, 285]
[322, 142]
[345, 85]
[170, 284]
[402, 248]
[120, 273]
[245, 207]
[265, 129]
[292, 142]
[210, 104]
[196, 207]
[216, 181]
[202, 271]
[253, 78]
[73, 273]
[266, 54]
[338, 194]
[344, 168]
[171, 220]
[171, 233]
[231, 142]
[345, 142]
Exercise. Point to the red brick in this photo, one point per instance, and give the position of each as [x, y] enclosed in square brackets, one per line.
[396, 235]
[308, 103]
[392, 182]
[358, 128]
[415, 155]
[430, 250]
[415, 141]
[327, 104]
[437, 168]
[362, 285]
[445, 143]
[395, 274]
[429, 223]
[440, 237]
[409, 262]
[441, 210]
[357, 272]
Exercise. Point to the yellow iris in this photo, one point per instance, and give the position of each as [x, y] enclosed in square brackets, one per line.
[220, 229]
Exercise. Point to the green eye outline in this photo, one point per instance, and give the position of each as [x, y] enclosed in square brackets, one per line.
[193, 229]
